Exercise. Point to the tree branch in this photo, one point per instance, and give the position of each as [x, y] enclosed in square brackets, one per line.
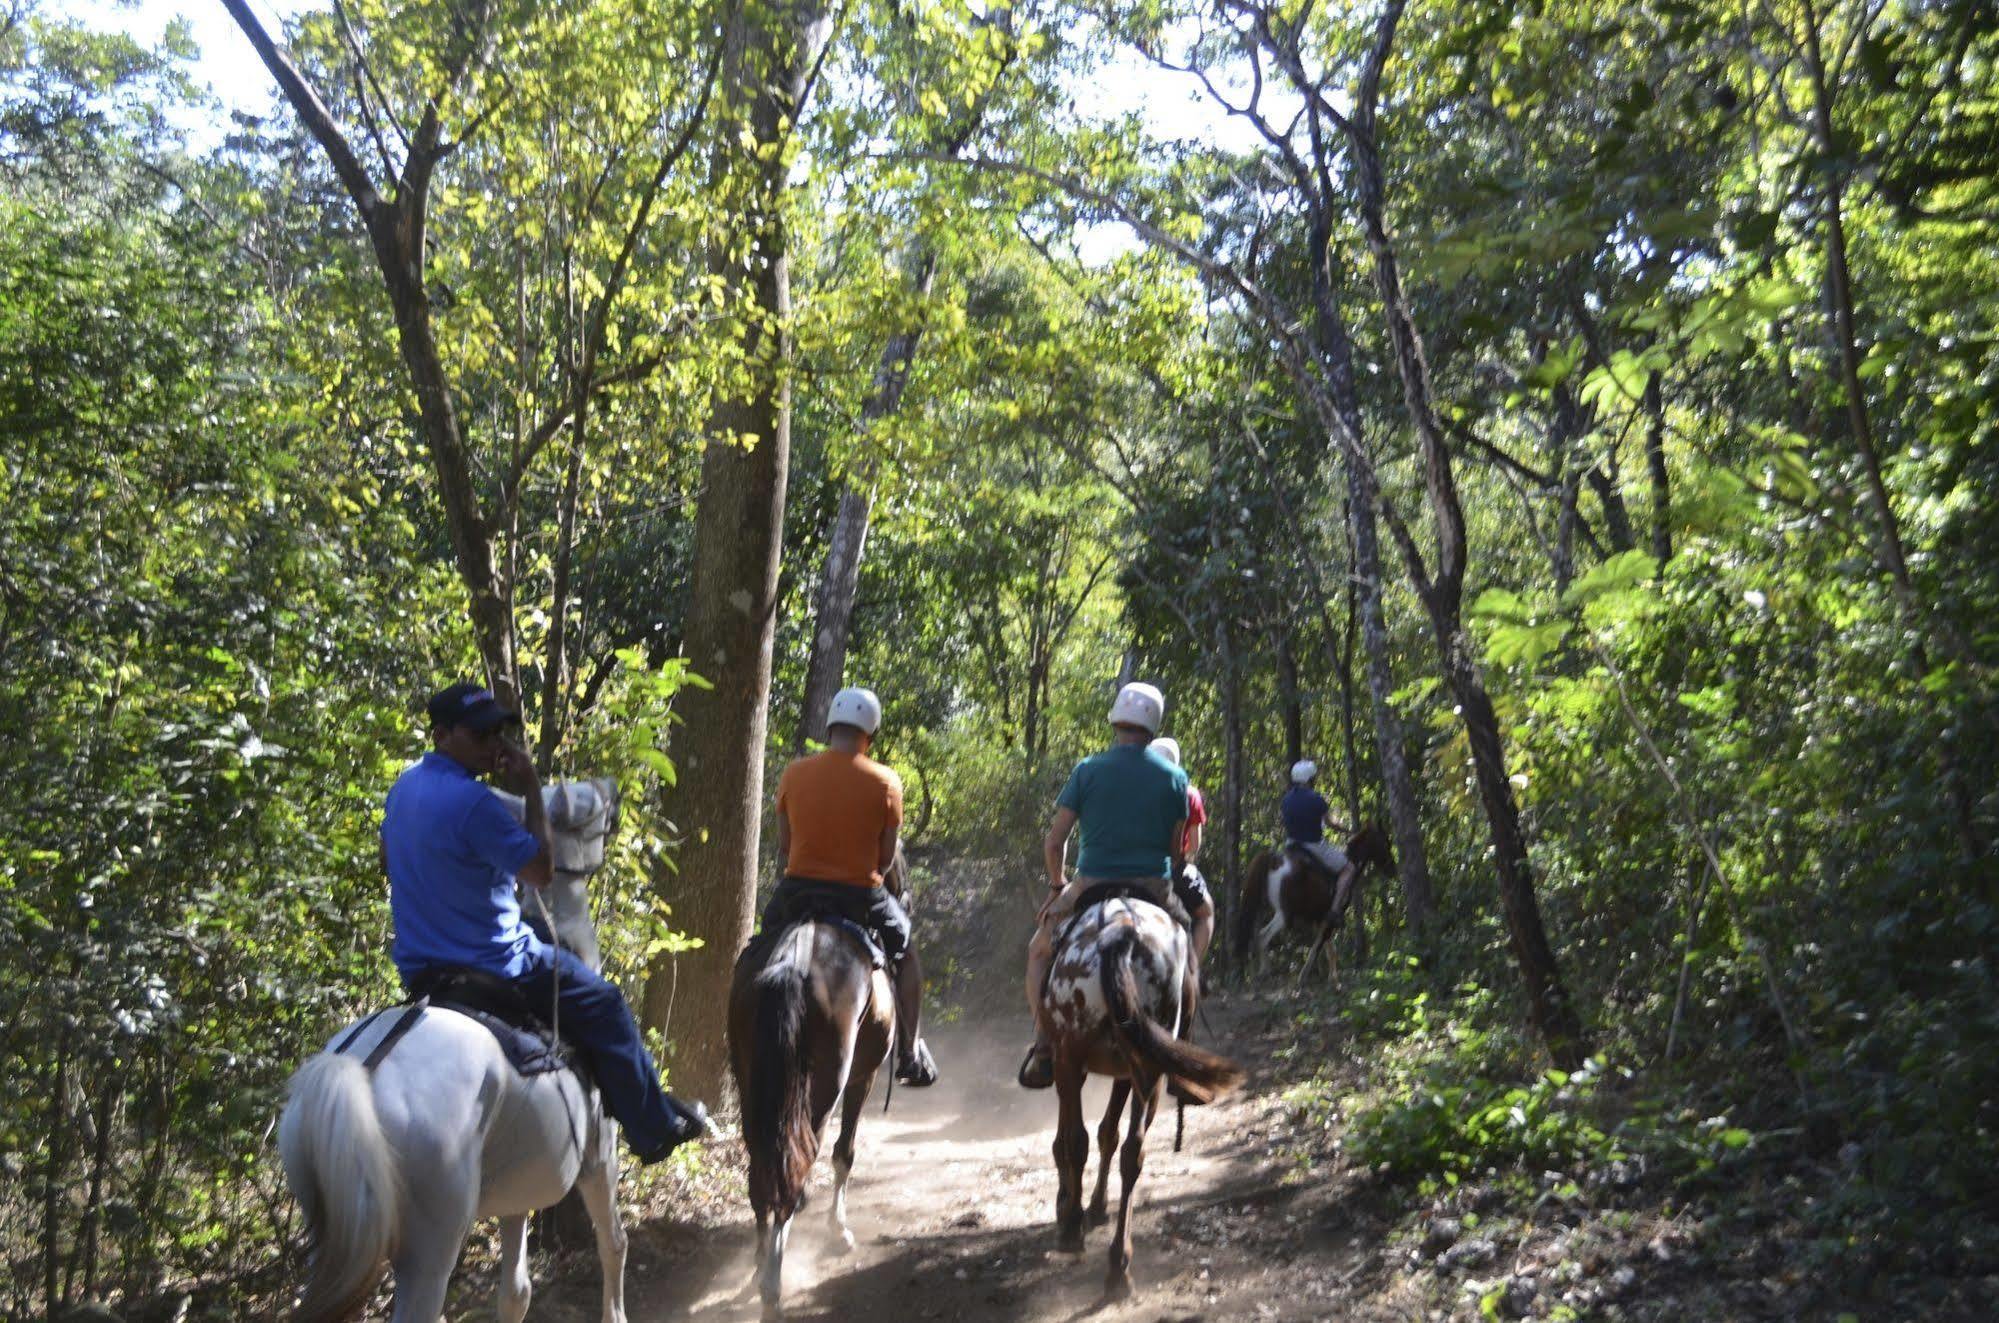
[312, 111]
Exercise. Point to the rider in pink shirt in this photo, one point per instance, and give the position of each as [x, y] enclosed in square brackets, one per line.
[1190, 886]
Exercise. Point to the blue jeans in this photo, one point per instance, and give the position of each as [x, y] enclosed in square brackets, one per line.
[596, 1021]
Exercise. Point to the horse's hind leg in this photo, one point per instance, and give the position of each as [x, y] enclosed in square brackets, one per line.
[1072, 1153]
[598, 1184]
[1268, 934]
[423, 1266]
[742, 1297]
[1144, 1104]
[1107, 1145]
[770, 1280]
[516, 1287]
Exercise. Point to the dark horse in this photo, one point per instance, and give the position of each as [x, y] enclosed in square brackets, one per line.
[1295, 891]
[1115, 1000]
[810, 1022]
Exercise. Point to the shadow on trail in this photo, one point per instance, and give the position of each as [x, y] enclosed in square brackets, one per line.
[953, 1204]
[996, 1275]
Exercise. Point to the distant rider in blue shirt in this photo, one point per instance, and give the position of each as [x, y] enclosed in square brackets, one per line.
[453, 854]
[1305, 813]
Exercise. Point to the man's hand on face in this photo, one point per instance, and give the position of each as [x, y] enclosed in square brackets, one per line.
[512, 767]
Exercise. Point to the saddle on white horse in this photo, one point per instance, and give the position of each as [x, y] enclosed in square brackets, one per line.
[526, 1033]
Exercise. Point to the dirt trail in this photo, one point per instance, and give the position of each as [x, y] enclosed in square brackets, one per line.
[952, 1206]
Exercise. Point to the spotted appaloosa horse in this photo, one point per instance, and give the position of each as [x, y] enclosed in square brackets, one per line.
[1295, 891]
[810, 1022]
[1115, 1001]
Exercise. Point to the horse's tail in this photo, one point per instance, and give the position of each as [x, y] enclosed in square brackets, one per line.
[342, 1171]
[1250, 905]
[777, 1107]
[1201, 1075]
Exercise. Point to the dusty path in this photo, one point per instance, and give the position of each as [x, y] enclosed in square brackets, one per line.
[952, 1205]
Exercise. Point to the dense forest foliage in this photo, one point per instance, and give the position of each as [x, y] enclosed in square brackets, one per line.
[1574, 424]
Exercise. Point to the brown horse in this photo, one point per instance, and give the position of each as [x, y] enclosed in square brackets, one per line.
[1115, 997]
[810, 1021]
[1295, 891]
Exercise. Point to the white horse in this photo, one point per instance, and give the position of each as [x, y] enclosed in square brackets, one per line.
[393, 1166]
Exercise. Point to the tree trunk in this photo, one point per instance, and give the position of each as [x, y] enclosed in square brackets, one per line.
[839, 582]
[489, 599]
[1336, 360]
[1349, 628]
[717, 800]
[1547, 999]
[1287, 697]
[1554, 1015]
[396, 231]
[1655, 465]
[840, 578]
[556, 664]
[1232, 792]
[1405, 819]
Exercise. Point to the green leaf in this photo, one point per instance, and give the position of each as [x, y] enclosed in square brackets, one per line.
[1625, 570]
[1501, 604]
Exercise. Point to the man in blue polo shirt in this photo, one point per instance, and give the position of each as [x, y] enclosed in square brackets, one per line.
[453, 854]
[1130, 804]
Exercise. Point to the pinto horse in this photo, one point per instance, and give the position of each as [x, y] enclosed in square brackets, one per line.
[393, 1159]
[810, 1022]
[1295, 890]
[1115, 1002]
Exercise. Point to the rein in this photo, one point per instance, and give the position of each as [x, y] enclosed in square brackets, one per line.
[555, 966]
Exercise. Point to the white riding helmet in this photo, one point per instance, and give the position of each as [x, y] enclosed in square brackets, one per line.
[855, 707]
[1168, 748]
[1303, 770]
[1139, 705]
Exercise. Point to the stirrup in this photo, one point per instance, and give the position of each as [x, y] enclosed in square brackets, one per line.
[1037, 1071]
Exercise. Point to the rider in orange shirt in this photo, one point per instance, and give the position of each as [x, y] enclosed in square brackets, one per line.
[838, 813]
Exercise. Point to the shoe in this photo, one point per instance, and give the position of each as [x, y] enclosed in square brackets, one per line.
[660, 1154]
[918, 1070]
[695, 1123]
[1038, 1070]
[691, 1125]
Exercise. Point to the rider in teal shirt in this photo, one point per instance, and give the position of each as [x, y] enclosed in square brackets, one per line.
[1127, 801]
[1131, 805]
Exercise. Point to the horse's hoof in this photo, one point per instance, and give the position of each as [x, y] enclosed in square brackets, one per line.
[1069, 1240]
[1117, 1286]
[843, 1241]
[1098, 1215]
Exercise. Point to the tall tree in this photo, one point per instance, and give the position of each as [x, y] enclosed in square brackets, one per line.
[772, 50]
[978, 57]
[457, 107]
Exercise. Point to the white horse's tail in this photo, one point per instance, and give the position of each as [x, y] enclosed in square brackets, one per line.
[343, 1174]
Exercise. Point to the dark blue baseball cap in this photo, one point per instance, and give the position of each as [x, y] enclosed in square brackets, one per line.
[470, 705]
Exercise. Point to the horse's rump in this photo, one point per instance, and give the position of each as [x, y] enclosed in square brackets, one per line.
[780, 1026]
[1254, 900]
[1115, 992]
[1306, 889]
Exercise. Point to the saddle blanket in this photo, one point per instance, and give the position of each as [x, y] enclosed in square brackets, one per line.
[757, 949]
